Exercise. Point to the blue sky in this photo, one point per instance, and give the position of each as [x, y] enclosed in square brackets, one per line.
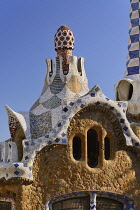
[27, 29]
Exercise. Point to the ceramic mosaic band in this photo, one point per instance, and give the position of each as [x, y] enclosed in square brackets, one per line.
[117, 199]
[133, 62]
[93, 201]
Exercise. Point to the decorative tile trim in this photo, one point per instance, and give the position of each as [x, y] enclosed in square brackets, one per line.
[134, 38]
[128, 202]
[58, 135]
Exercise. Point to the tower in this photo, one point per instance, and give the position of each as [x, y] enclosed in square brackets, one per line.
[127, 88]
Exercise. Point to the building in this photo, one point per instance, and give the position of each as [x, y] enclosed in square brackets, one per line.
[76, 148]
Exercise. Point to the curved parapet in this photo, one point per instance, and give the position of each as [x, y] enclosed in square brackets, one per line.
[16, 120]
[17, 127]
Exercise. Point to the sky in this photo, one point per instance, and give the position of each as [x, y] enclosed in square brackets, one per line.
[27, 29]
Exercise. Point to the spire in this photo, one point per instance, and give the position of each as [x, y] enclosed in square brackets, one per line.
[64, 44]
[133, 59]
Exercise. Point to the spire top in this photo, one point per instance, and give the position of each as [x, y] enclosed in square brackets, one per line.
[64, 38]
[64, 44]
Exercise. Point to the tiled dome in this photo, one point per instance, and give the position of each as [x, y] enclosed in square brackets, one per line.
[64, 38]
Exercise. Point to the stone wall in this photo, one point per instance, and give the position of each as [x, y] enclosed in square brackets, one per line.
[55, 173]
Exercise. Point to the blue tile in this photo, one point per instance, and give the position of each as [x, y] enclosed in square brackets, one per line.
[125, 128]
[122, 120]
[26, 143]
[57, 140]
[16, 172]
[63, 134]
[127, 134]
[82, 106]
[92, 94]
[64, 141]
[133, 70]
[71, 104]
[26, 158]
[129, 46]
[135, 6]
[32, 143]
[59, 124]
[65, 109]
[24, 164]
[135, 22]
[119, 105]
[79, 100]
[47, 136]
[97, 103]
[134, 54]
[16, 165]
[64, 117]
[134, 38]
[107, 99]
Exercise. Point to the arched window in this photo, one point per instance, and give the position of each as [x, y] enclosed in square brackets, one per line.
[89, 199]
[77, 148]
[107, 148]
[92, 148]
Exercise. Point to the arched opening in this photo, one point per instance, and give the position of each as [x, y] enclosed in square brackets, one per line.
[124, 91]
[107, 148]
[92, 148]
[77, 148]
[86, 200]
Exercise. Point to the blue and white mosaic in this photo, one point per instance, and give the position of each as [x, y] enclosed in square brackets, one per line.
[58, 135]
[128, 203]
[133, 57]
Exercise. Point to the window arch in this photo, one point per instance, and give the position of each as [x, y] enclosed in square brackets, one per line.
[77, 148]
[92, 148]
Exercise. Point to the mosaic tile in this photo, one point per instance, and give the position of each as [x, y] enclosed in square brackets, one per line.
[65, 109]
[16, 172]
[52, 103]
[40, 125]
[57, 85]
